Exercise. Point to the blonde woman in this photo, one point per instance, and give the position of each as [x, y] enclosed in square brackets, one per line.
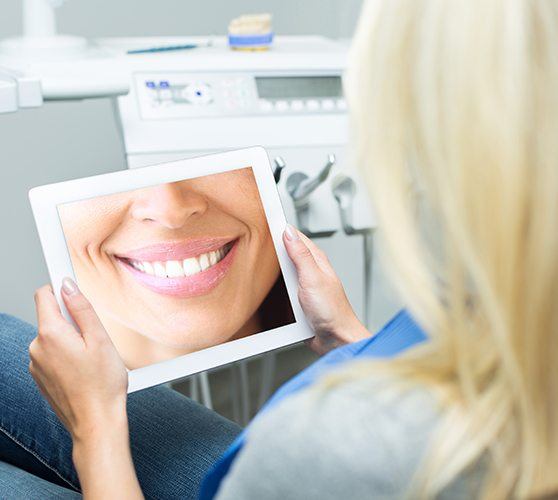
[455, 110]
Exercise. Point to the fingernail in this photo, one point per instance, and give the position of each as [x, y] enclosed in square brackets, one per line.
[290, 233]
[69, 287]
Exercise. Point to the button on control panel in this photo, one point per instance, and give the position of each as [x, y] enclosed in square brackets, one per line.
[198, 95]
[299, 106]
[282, 106]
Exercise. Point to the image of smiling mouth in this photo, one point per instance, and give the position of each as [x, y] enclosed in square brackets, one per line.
[181, 269]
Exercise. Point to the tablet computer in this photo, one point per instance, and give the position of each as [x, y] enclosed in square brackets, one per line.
[184, 262]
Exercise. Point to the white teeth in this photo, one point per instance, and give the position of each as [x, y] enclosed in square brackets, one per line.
[204, 261]
[148, 268]
[213, 258]
[174, 269]
[179, 268]
[138, 265]
[191, 266]
[160, 269]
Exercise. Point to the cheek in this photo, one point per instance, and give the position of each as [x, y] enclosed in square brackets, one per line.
[89, 223]
[85, 234]
[253, 217]
[266, 255]
[260, 235]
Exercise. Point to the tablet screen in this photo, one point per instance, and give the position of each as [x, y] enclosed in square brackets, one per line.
[178, 267]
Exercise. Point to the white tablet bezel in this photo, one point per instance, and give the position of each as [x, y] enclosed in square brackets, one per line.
[45, 200]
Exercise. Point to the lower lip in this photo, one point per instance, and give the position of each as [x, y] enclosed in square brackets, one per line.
[187, 286]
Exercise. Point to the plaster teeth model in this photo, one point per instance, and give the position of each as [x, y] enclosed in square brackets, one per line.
[251, 32]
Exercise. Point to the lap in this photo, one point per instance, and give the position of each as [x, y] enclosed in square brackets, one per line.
[174, 440]
[18, 484]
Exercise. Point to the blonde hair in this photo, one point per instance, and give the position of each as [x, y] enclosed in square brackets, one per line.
[455, 114]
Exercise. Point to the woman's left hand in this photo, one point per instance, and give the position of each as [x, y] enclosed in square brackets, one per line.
[85, 381]
[80, 373]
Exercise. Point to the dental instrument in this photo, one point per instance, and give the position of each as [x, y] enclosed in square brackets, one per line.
[279, 166]
[169, 48]
[344, 191]
[300, 187]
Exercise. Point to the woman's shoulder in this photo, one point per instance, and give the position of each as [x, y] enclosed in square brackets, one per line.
[352, 438]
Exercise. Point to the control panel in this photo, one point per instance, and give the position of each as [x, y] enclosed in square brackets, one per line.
[199, 95]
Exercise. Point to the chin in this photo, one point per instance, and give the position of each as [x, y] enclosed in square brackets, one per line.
[190, 341]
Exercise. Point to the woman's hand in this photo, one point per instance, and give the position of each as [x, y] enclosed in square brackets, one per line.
[83, 378]
[80, 374]
[322, 296]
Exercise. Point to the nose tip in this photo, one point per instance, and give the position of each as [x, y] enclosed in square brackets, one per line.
[170, 205]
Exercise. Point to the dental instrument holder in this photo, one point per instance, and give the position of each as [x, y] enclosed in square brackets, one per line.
[300, 187]
[344, 190]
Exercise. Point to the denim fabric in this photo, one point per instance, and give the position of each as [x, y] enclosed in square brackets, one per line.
[17, 484]
[174, 440]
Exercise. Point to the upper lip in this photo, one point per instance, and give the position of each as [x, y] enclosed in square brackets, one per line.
[175, 250]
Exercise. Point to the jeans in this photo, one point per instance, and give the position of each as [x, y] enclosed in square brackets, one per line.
[174, 440]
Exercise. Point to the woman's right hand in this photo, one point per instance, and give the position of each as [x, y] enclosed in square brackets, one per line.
[322, 296]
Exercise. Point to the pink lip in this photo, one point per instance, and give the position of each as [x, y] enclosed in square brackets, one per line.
[176, 250]
[186, 286]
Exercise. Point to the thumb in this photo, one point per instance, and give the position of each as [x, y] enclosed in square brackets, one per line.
[82, 312]
[303, 260]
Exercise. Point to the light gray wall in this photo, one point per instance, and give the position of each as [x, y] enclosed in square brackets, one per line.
[334, 18]
[67, 140]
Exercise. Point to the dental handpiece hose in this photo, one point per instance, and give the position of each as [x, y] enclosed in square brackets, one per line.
[368, 255]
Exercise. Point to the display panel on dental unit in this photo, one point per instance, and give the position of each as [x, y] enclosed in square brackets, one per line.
[183, 262]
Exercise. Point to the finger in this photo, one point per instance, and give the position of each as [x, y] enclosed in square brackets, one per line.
[82, 312]
[309, 243]
[301, 255]
[49, 316]
[319, 256]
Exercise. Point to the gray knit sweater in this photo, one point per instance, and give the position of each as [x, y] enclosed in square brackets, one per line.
[360, 440]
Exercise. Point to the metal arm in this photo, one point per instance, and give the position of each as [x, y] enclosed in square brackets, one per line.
[300, 187]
